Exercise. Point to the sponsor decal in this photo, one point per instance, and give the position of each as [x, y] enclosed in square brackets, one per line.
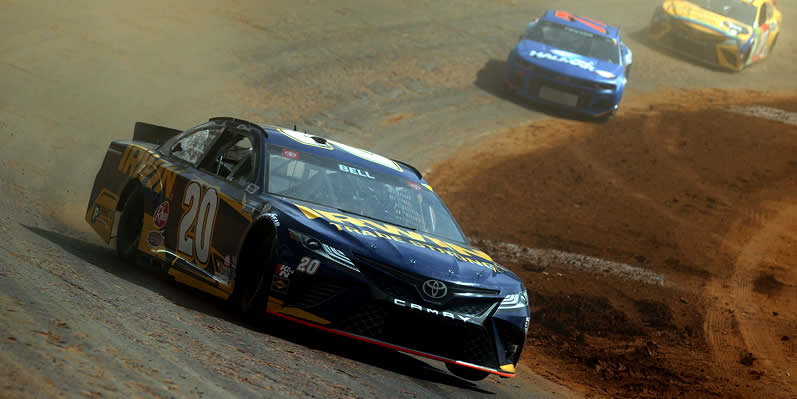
[434, 289]
[280, 284]
[101, 214]
[526, 325]
[414, 186]
[252, 188]
[370, 228]
[563, 57]
[283, 271]
[153, 172]
[155, 238]
[226, 268]
[355, 171]
[290, 154]
[161, 215]
[412, 306]
[274, 219]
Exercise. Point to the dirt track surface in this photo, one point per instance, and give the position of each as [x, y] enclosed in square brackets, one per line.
[659, 247]
[416, 80]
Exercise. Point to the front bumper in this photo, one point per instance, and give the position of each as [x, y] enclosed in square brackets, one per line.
[702, 47]
[381, 307]
[560, 91]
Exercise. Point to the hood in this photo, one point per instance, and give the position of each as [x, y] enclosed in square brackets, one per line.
[400, 248]
[707, 21]
[568, 63]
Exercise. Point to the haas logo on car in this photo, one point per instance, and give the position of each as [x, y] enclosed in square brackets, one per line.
[161, 215]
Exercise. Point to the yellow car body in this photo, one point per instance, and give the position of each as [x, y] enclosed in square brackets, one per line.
[731, 34]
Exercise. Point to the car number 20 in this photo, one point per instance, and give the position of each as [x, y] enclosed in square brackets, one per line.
[308, 265]
[194, 200]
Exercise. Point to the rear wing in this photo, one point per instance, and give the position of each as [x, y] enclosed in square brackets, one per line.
[152, 133]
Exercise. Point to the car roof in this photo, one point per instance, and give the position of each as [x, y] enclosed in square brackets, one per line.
[352, 156]
[582, 23]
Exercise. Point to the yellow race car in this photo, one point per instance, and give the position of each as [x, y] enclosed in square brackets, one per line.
[731, 34]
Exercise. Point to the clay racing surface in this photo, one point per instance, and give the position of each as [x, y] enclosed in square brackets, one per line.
[659, 247]
[665, 204]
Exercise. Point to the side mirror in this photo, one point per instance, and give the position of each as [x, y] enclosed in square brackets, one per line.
[177, 147]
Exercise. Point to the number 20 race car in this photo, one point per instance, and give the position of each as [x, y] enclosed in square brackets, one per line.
[731, 34]
[313, 231]
[570, 62]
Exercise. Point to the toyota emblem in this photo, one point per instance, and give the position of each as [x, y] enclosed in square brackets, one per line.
[434, 289]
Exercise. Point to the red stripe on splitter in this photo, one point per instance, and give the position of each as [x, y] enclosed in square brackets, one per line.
[390, 346]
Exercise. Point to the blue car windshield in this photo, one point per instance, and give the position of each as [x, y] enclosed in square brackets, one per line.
[739, 10]
[360, 191]
[575, 41]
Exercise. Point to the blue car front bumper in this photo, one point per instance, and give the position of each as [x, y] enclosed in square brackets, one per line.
[561, 91]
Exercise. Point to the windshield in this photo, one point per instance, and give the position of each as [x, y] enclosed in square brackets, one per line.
[359, 191]
[575, 41]
[736, 9]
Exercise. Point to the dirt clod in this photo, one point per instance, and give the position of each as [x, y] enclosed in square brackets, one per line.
[747, 358]
[767, 284]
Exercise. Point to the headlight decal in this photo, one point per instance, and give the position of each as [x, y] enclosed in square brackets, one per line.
[515, 301]
[327, 251]
[605, 74]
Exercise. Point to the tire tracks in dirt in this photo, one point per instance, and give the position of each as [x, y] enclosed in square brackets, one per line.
[734, 324]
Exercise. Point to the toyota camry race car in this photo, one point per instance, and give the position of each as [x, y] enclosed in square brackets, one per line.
[572, 62]
[731, 34]
[313, 231]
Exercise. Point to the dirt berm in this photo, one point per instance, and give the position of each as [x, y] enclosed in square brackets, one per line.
[683, 213]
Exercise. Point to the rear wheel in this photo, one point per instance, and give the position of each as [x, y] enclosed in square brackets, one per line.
[467, 373]
[129, 230]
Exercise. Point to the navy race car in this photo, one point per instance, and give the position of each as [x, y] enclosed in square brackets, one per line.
[313, 231]
[570, 62]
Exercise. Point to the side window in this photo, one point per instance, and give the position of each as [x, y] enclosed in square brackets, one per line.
[232, 158]
[762, 17]
[192, 146]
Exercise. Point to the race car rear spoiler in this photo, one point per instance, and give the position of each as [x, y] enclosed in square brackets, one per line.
[153, 133]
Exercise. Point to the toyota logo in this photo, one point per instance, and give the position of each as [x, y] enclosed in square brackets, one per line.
[434, 289]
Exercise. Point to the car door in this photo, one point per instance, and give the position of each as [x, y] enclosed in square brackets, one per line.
[229, 175]
[206, 213]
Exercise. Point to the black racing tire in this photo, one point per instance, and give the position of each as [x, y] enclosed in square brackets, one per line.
[467, 373]
[128, 232]
[251, 280]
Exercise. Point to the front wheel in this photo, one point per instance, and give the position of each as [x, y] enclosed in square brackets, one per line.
[251, 283]
[467, 373]
[129, 231]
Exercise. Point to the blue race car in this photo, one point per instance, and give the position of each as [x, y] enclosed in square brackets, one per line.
[313, 231]
[570, 62]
